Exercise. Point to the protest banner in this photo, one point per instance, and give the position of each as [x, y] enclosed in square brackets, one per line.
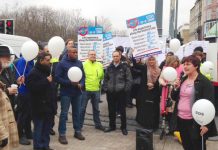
[144, 35]
[108, 46]
[90, 38]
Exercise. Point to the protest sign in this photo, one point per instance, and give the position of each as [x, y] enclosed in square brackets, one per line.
[90, 38]
[143, 35]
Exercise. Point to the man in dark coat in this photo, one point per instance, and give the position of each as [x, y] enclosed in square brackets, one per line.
[39, 83]
[71, 94]
[117, 82]
[8, 75]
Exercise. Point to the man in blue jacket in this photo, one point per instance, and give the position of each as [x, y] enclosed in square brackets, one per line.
[71, 93]
[23, 100]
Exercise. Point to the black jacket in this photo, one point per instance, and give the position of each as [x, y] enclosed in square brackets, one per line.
[40, 91]
[117, 78]
[203, 90]
[8, 77]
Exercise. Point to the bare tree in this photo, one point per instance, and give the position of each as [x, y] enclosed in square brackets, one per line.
[42, 23]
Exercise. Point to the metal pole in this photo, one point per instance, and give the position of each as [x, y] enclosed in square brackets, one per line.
[96, 21]
[159, 15]
[175, 33]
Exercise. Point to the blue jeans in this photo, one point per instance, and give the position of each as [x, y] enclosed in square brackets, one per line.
[75, 101]
[95, 98]
[41, 136]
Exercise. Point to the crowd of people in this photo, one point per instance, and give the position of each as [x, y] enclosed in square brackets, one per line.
[41, 82]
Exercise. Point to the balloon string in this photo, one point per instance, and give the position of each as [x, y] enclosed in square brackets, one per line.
[16, 69]
[25, 68]
[51, 68]
[202, 142]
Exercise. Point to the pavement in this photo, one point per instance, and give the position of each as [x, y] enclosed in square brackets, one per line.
[98, 140]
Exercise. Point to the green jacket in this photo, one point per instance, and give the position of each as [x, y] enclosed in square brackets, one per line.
[94, 73]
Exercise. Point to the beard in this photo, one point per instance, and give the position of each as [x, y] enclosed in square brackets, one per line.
[6, 65]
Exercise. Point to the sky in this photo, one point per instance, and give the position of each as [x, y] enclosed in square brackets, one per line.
[118, 11]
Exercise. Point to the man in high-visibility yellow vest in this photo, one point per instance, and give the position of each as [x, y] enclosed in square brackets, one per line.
[94, 74]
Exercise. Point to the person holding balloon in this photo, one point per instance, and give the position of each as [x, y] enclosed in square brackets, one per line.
[72, 84]
[8, 75]
[23, 102]
[171, 61]
[39, 84]
[191, 88]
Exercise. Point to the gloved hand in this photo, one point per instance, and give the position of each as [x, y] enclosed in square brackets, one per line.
[4, 142]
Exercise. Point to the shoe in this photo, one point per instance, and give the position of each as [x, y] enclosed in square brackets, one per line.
[100, 128]
[79, 136]
[62, 139]
[29, 136]
[118, 115]
[52, 132]
[109, 129]
[24, 141]
[124, 131]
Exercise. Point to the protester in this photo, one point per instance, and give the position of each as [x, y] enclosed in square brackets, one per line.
[23, 102]
[94, 73]
[152, 94]
[8, 75]
[8, 127]
[199, 55]
[71, 93]
[171, 61]
[117, 82]
[189, 89]
[68, 44]
[139, 86]
[164, 61]
[39, 84]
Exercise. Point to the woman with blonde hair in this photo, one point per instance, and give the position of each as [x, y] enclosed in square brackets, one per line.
[171, 61]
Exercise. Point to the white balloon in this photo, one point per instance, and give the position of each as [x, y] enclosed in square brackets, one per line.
[174, 45]
[29, 50]
[169, 74]
[203, 112]
[207, 67]
[56, 46]
[74, 74]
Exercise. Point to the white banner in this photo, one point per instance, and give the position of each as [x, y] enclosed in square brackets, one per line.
[90, 38]
[108, 47]
[144, 35]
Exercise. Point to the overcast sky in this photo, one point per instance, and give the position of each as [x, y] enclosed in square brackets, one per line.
[118, 11]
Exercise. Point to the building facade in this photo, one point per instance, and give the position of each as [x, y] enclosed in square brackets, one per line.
[196, 21]
[210, 17]
[184, 32]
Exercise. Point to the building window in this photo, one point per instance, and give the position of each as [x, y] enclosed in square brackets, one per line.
[217, 12]
[210, 29]
[208, 2]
